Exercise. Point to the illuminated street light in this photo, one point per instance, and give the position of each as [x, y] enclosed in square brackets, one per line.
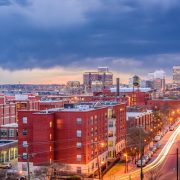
[126, 166]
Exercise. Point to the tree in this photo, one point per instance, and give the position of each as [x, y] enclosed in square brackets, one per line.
[133, 141]
[154, 174]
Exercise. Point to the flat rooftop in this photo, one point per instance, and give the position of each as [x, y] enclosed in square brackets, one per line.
[15, 125]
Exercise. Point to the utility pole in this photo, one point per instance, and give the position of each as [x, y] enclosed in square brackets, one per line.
[99, 169]
[28, 162]
[141, 173]
[177, 164]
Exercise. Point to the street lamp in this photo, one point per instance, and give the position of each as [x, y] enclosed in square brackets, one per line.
[98, 145]
[126, 166]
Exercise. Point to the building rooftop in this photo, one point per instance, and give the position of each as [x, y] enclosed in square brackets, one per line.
[10, 125]
[122, 89]
[137, 114]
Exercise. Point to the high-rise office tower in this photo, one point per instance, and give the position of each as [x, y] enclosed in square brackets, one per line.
[101, 79]
[176, 75]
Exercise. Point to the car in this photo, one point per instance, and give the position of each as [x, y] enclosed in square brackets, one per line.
[153, 149]
[6, 165]
[157, 138]
[171, 128]
[147, 157]
[143, 163]
[150, 153]
[157, 145]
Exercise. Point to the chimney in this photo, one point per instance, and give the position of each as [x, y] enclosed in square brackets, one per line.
[117, 86]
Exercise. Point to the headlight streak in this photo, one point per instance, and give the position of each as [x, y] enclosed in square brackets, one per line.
[160, 158]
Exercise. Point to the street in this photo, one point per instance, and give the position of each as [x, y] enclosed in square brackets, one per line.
[164, 159]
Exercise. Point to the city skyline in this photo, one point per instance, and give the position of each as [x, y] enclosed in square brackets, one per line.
[130, 37]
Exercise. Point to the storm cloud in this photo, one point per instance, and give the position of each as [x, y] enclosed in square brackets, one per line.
[126, 35]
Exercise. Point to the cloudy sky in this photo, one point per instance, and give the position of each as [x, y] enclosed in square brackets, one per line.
[52, 41]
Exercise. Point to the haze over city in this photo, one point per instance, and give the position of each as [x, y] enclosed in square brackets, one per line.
[45, 42]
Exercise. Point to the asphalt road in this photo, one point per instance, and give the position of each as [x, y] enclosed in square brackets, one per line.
[164, 162]
[168, 170]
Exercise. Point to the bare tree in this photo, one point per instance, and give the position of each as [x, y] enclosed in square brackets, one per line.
[133, 141]
[154, 174]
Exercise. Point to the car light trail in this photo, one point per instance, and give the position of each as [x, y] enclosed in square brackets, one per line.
[156, 162]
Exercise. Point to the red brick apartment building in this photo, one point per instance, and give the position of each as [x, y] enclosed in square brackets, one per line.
[73, 136]
[10, 105]
[169, 103]
[144, 119]
[7, 113]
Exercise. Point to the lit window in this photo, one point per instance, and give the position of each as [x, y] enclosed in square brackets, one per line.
[78, 121]
[110, 134]
[50, 124]
[25, 144]
[110, 143]
[50, 148]
[50, 136]
[78, 144]
[24, 119]
[78, 133]
[78, 157]
[11, 132]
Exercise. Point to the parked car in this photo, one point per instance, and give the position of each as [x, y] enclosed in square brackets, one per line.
[153, 149]
[157, 138]
[171, 128]
[150, 153]
[143, 163]
[157, 145]
[6, 165]
[147, 157]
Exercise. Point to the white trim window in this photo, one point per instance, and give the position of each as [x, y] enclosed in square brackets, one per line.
[79, 133]
[78, 121]
[79, 157]
[24, 120]
[78, 145]
[11, 132]
[25, 144]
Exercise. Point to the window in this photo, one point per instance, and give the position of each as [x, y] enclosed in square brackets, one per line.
[78, 144]
[111, 124]
[78, 133]
[3, 132]
[50, 124]
[25, 156]
[110, 134]
[91, 120]
[79, 170]
[78, 121]
[110, 143]
[24, 167]
[25, 144]
[24, 132]
[50, 148]
[24, 119]
[50, 136]
[11, 132]
[78, 157]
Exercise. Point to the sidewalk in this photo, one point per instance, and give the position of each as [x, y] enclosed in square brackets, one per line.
[117, 169]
